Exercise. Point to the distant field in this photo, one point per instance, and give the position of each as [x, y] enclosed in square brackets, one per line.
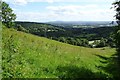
[29, 56]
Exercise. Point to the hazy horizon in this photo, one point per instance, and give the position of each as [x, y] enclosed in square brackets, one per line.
[62, 21]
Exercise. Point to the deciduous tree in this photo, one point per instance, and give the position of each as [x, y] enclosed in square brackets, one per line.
[8, 17]
[117, 31]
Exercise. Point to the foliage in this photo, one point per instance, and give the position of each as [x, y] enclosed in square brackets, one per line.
[74, 41]
[117, 31]
[62, 39]
[101, 43]
[118, 42]
[20, 28]
[111, 40]
[8, 16]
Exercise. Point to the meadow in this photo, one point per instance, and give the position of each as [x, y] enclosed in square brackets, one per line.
[28, 56]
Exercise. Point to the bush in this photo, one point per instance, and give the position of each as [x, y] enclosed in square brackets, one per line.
[20, 28]
[102, 43]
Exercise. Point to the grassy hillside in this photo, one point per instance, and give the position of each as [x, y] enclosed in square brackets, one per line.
[29, 56]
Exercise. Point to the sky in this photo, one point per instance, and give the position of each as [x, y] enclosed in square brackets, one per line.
[62, 10]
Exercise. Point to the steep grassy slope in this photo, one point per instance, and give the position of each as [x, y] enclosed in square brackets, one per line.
[26, 55]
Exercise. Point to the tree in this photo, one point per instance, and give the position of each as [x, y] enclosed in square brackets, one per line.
[102, 43]
[117, 31]
[8, 17]
[85, 42]
[79, 42]
[62, 39]
[20, 28]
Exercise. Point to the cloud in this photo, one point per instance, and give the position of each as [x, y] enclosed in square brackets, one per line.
[36, 17]
[20, 2]
[23, 2]
[70, 8]
[68, 13]
[75, 12]
[22, 16]
[90, 12]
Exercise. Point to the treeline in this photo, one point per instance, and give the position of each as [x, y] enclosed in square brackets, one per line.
[84, 42]
[73, 41]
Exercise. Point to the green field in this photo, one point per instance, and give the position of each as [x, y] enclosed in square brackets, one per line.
[29, 56]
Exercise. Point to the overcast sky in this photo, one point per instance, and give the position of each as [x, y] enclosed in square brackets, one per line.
[62, 10]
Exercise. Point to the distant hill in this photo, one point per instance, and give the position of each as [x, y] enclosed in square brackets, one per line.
[83, 23]
[33, 24]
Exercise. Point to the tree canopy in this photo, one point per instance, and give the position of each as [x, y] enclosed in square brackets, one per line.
[117, 31]
[8, 17]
